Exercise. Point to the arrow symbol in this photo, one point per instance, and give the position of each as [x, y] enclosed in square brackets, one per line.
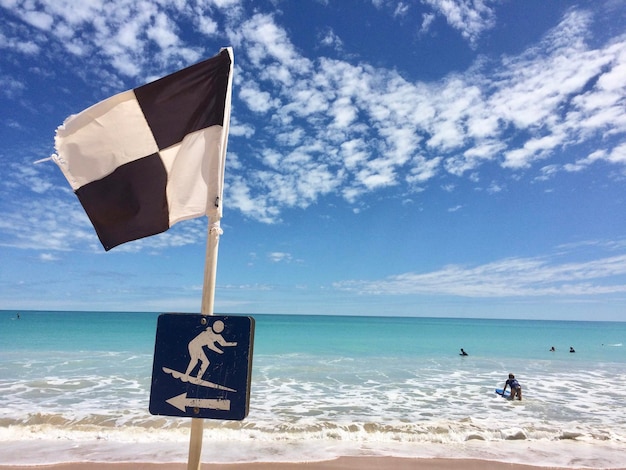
[182, 402]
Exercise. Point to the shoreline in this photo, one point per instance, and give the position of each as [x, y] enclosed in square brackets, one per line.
[102, 454]
[341, 463]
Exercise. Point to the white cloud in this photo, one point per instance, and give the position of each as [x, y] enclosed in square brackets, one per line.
[470, 17]
[482, 152]
[40, 227]
[257, 101]
[328, 38]
[225, 4]
[11, 87]
[22, 45]
[402, 9]
[331, 125]
[614, 80]
[618, 154]
[268, 42]
[121, 32]
[278, 257]
[376, 175]
[207, 26]
[47, 257]
[512, 277]
[239, 129]
[35, 223]
[343, 111]
[494, 188]
[163, 32]
[38, 19]
[239, 196]
[423, 169]
[353, 153]
[427, 21]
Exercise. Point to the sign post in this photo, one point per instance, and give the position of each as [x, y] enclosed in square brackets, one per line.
[181, 401]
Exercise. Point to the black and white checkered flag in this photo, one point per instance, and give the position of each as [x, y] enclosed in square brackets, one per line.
[147, 158]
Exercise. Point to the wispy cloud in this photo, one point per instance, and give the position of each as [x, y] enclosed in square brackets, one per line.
[511, 277]
[324, 126]
[35, 223]
[48, 257]
[469, 17]
[131, 37]
[369, 129]
[279, 257]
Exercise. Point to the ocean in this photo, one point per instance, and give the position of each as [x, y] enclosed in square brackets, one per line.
[75, 386]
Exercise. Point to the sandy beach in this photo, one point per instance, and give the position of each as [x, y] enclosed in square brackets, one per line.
[342, 463]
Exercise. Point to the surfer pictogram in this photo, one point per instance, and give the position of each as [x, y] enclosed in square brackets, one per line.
[209, 338]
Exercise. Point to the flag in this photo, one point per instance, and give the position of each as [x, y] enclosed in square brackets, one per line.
[152, 156]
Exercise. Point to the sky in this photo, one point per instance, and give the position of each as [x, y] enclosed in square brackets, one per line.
[439, 158]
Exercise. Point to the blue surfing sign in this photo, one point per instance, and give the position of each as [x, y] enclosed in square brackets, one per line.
[202, 366]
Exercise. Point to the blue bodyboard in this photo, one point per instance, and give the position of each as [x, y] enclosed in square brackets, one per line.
[506, 394]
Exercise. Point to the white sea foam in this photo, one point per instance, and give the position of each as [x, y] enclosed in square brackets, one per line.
[229, 446]
[330, 410]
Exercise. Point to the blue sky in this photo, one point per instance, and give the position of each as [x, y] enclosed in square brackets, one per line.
[429, 158]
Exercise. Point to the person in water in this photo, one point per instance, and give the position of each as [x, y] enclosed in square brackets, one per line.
[552, 349]
[463, 353]
[571, 349]
[516, 388]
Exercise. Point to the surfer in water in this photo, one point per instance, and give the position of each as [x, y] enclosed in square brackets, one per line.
[210, 338]
[463, 353]
[516, 388]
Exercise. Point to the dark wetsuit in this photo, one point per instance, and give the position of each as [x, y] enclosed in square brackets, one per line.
[513, 383]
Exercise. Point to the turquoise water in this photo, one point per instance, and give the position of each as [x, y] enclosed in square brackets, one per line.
[321, 386]
[375, 336]
[437, 337]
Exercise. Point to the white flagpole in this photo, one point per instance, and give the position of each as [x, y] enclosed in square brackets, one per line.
[210, 265]
[208, 300]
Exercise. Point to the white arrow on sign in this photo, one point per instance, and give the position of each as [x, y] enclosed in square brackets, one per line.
[182, 402]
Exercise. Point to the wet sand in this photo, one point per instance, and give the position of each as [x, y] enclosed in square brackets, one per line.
[342, 463]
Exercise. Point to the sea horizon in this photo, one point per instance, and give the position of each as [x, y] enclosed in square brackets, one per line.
[450, 317]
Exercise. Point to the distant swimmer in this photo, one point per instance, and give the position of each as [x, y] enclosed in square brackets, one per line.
[463, 353]
[552, 349]
[18, 315]
[571, 349]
